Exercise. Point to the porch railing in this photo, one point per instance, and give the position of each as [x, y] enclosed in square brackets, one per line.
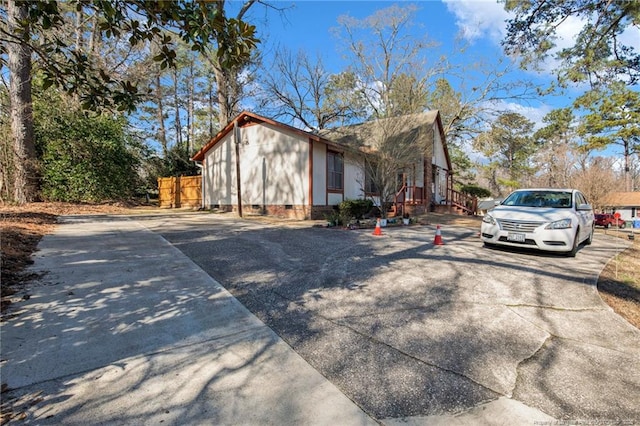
[415, 195]
[467, 203]
[408, 195]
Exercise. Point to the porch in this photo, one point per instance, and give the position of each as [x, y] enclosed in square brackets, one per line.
[415, 200]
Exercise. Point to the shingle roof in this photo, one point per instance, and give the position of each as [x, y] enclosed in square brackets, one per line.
[622, 199]
[367, 134]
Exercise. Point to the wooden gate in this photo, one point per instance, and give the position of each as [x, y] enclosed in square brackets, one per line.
[181, 191]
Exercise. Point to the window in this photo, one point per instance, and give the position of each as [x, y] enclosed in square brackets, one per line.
[370, 185]
[335, 171]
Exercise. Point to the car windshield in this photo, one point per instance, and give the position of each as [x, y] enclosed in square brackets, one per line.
[555, 199]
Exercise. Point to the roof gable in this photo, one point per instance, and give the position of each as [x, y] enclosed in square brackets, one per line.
[246, 118]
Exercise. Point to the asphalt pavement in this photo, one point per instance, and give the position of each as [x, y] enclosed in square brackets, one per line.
[130, 325]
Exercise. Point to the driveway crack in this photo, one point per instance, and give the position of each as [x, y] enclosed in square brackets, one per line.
[540, 349]
[554, 308]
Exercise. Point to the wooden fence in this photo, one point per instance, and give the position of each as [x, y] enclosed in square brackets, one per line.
[181, 191]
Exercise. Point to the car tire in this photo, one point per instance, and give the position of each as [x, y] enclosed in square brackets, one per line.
[608, 225]
[575, 245]
[623, 225]
[589, 239]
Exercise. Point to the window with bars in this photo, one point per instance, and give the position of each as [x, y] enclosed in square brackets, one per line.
[335, 171]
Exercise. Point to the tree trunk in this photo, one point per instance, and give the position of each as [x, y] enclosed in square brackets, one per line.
[628, 187]
[190, 118]
[227, 78]
[176, 101]
[162, 132]
[224, 111]
[210, 112]
[25, 180]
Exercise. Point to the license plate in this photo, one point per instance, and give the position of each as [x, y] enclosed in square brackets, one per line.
[512, 236]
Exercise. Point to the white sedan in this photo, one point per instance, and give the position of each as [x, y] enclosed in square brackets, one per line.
[545, 219]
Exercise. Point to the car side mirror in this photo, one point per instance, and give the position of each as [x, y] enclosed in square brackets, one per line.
[582, 207]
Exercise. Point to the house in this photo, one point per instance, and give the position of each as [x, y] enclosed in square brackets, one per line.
[258, 165]
[625, 203]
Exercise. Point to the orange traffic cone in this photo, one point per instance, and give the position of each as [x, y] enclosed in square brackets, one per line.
[438, 239]
[378, 230]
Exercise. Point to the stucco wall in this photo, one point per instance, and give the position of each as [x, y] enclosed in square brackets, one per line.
[439, 157]
[273, 169]
[319, 174]
[219, 185]
[353, 177]
[274, 166]
[439, 185]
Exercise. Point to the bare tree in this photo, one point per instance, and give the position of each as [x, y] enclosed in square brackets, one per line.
[389, 62]
[389, 146]
[597, 180]
[302, 91]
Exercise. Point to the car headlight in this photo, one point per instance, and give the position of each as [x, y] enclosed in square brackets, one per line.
[487, 218]
[559, 224]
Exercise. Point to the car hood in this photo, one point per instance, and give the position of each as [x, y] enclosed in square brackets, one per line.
[531, 214]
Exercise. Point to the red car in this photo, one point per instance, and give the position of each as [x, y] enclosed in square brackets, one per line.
[608, 220]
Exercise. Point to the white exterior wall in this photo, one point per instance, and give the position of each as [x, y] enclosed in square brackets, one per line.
[438, 150]
[273, 168]
[353, 177]
[439, 160]
[319, 174]
[219, 186]
[626, 213]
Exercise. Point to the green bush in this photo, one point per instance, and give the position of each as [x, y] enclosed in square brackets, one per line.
[355, 209]
[475, 191]
[83, 158]
[333, 218]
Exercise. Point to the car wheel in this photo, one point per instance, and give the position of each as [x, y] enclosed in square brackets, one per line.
[623, 225]
[608, 225]
[576, 244]
[589, 239]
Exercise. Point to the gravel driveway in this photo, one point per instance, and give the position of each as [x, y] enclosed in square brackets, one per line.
[406, 328]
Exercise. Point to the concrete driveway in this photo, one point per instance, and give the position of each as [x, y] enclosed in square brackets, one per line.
[125, 329]
[411, 331]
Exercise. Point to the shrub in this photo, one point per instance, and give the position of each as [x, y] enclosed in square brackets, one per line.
[355, 209]
[84, 158]
[475, 191]
[333, 218]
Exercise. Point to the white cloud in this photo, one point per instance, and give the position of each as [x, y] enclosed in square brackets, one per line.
[630, 36]
[479, 18]
[533, 114]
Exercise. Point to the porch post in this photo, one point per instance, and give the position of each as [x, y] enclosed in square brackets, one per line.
[236, 140]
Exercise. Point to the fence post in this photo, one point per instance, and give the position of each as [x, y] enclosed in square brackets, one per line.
[178, 190]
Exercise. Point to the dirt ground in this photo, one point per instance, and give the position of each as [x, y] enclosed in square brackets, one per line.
[22, 228]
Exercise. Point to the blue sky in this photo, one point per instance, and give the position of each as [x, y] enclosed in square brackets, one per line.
[306, 25]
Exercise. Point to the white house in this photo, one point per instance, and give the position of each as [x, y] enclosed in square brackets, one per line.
[625, 203]
[259, 165]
